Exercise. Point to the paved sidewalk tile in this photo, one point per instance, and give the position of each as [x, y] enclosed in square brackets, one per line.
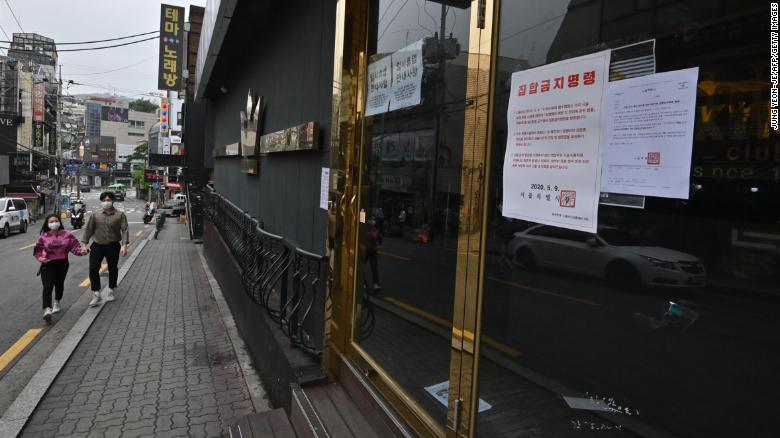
[157, 361]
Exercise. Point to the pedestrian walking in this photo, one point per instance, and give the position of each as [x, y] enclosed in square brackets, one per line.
[51, 249]
[110, 236]
[402, 220]
[373, 240]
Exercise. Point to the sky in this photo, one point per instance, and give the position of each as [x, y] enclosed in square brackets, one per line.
[87, 20]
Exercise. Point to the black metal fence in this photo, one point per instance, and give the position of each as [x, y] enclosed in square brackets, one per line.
[288, 282]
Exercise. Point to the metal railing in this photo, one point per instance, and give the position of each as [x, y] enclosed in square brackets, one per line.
[288, 282]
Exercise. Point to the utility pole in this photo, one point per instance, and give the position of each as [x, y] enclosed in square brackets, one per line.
[438, 108]
[58, 133]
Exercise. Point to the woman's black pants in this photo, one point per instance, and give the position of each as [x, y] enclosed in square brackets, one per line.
[53, 277]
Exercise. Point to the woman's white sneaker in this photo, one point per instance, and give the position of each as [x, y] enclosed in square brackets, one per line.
[56, 307]
[96, 300]
[47, 314]
[110, 295]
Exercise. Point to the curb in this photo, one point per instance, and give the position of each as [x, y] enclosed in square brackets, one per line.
[256, 391]
[16, 416]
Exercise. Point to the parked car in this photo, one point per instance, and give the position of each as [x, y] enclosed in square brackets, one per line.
[119, 195]
[85, 188]
[13, 216]
[618, 257]
[178, 204]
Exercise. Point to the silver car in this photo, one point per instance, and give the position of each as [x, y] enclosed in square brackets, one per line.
[618, 257]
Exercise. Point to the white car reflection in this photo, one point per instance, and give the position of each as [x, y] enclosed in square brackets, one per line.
[620, 258]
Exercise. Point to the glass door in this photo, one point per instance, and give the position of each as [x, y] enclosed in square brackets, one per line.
[419, 206]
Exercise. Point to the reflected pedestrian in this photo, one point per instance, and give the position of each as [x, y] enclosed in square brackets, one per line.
[51, 249]
[402, 220]
[373, 240]
[110, 236]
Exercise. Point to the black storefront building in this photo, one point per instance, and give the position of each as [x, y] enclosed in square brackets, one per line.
[459, 320]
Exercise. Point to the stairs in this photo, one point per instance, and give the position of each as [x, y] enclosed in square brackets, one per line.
[262, 425]
[348, 409]
[327, 411]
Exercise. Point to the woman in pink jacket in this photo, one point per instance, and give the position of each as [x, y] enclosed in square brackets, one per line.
[52, 250]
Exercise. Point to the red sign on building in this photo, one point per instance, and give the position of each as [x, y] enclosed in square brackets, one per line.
[39, 102]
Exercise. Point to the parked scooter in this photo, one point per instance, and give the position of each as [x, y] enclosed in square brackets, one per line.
[149, 213]
[77, 215]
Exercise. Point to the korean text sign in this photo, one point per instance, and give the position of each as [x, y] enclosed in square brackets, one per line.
[39, 102]
[648, 135]
[552, 166]
[171, 48]
[395, 81]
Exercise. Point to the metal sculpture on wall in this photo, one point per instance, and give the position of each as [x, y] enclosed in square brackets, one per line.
[251, 122]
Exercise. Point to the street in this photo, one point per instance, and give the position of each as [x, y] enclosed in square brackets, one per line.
[590, 338]
[20, 295]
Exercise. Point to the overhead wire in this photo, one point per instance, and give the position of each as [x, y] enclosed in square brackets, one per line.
[84, 49]
[131, 91]
[14, 15]
[6, 35]
[71, 43]
[113, 70]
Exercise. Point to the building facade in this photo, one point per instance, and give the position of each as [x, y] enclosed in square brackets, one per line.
[465, 319]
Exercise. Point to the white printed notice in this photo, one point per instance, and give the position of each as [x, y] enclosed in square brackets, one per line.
[395, 81]
[407, 76]
[648, 134]
[379, 82]
[552, 167]
[324, 188]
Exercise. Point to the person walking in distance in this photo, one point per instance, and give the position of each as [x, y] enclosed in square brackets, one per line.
[52, 250]
[373, 240]
[110, 236]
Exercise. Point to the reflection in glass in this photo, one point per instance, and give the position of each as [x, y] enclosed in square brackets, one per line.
[410, 199]
[666, 319]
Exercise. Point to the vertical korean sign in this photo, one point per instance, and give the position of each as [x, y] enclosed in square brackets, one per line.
[552, 167]
[39, 102]
[171, 48]
[38, 135]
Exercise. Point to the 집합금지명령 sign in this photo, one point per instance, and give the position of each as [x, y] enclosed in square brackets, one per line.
[552, 166]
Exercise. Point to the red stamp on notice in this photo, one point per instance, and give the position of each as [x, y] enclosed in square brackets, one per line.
[568, 198]
[654, 158]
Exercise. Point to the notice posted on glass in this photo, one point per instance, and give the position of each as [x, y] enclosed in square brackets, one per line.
[395, 81]
[552, 166]
[648, 135]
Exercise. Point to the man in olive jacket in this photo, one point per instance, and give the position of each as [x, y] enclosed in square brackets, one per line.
[110, 236]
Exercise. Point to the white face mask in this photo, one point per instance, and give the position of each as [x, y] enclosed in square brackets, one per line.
[54, 226]
[106, 204]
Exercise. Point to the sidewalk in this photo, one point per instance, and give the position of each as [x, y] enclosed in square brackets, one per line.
[158, 361]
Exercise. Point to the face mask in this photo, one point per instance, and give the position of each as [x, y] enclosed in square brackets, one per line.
[106, 204]
[54, 226]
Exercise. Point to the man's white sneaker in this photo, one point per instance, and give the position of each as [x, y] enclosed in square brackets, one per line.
[110, 295]
[47, 314]
[56, 307]
[96, 300]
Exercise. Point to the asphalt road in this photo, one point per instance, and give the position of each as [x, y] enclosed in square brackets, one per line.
[20, 288]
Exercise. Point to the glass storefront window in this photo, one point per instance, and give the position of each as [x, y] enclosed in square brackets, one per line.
[411, 194]
[665, 320]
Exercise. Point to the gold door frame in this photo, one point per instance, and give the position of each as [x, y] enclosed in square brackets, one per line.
[463, 398]
[347, 139]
